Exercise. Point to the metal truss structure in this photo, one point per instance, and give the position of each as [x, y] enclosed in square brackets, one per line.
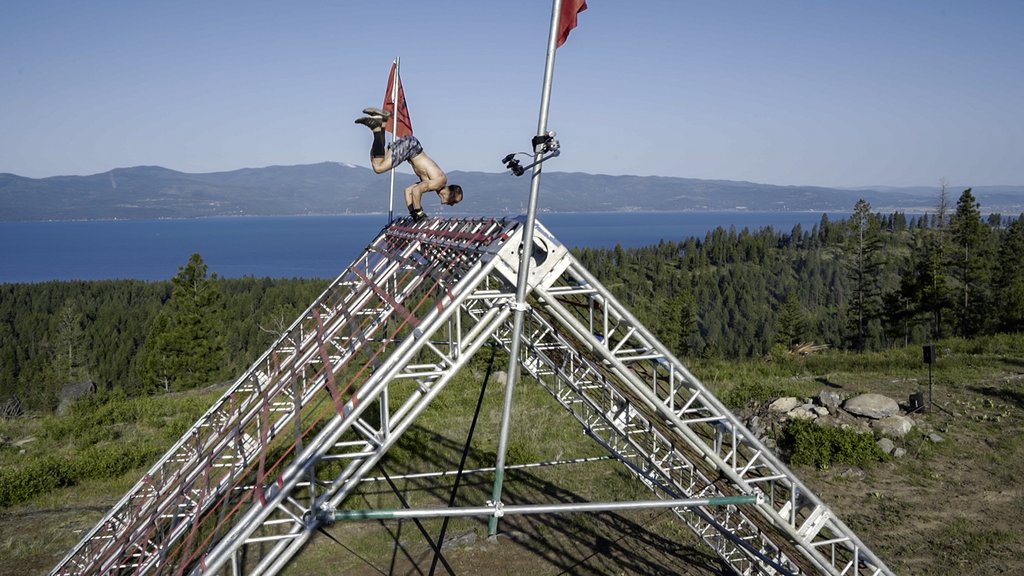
[251, 482]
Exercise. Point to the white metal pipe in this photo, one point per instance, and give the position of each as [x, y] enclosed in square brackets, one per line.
[497, 510]
[524, 266]
[394, 134]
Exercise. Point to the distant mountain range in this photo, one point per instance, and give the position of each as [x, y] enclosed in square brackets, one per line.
[152, 192]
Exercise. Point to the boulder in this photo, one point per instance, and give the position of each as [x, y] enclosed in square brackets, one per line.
[845, 421]
[876, 406]
[72, 392]
[886, 445]
[896, 426]
[801, 413]
[830, 399]
[784, 404]
[755, 426]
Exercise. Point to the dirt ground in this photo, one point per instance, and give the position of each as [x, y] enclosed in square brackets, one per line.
[947, 507]
[951, 505]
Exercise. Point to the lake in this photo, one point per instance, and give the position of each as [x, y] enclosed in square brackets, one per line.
[299, 246]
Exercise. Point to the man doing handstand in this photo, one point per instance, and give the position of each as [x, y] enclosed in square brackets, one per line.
[408, 148]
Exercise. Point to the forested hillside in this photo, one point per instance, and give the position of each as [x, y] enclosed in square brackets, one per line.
[871, 282]
[867, 283]
[56, 333]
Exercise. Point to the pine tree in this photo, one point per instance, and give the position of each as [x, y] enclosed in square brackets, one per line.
[1009, 278]
[185, 347]
[864, 252]
[69, 344]
[970, 263]
[925, 287]
[792, 323]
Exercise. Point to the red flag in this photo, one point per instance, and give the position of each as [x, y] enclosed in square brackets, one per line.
[567, 18]
[404, 122]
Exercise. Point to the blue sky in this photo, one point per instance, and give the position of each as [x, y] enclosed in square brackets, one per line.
[782, 92]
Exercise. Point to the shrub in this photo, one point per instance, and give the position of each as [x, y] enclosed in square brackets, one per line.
[809, 444]
[40, 476]
[112, 461]
[51, 472]
[747, 393]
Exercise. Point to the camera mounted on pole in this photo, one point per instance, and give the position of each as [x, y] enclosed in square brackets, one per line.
[545, 147]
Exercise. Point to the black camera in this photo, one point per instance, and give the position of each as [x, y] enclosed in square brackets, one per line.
[513, 164]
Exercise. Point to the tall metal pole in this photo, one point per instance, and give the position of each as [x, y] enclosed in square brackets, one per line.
[394, 132]
[524, 269]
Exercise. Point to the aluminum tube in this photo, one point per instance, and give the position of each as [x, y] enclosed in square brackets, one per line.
[751, 440]
[524, 268]
[278, 557]
[498, 510]
[239, 532]
[394, 134]
[275, 564]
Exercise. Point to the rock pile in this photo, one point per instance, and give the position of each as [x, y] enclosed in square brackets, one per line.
[866, 413]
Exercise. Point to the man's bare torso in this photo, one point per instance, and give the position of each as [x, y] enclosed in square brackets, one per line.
[428, 171]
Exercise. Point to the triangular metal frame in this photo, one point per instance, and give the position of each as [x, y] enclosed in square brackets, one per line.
[244, 489]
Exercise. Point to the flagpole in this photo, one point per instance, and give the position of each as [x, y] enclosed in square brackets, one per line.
[524, 268]
[394, 134]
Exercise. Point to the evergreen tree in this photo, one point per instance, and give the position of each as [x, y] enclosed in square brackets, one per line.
[925, 287]
[898, 315]
[160, 357]
[69, 344]
[792, 323]
[864, 257]
[1009, 278]
[970, 263]
[186, 345]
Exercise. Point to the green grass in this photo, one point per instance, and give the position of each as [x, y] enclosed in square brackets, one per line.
[101, 439]
[101, 449]
[963, 547]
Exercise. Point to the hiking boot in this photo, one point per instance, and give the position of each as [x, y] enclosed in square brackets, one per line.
[371, 122]
[376, 112]
[418, 215]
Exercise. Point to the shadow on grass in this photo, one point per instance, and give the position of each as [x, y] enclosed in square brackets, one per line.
[1015, 362]
[824, 380]
[587, 543]
[1013, 396]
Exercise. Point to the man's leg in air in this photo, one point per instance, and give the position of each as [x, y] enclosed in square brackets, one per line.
[371, 111]
[378, 152]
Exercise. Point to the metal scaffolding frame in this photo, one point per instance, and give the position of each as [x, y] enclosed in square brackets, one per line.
[264, 468]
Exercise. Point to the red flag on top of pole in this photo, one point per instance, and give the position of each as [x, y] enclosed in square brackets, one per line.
[404, 126]
[567, 18]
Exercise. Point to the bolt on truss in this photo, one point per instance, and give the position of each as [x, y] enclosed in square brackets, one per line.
[254, 479]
